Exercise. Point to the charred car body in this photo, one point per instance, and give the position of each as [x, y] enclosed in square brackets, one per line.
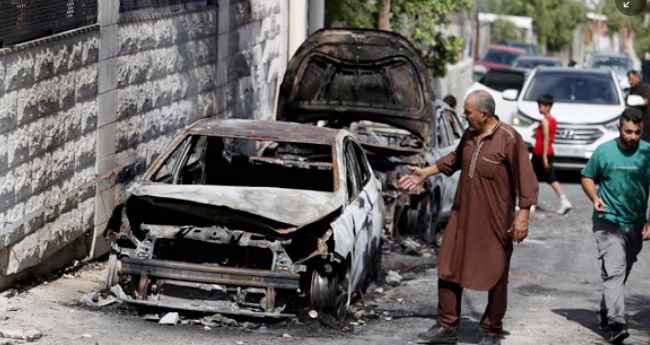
[375, 84]
[242, 217]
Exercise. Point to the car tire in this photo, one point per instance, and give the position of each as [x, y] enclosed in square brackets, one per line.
[112, 278]
[432, 221]
[329, 293]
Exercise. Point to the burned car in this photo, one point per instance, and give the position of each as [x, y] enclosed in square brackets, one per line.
[246, 217]
[375, 84]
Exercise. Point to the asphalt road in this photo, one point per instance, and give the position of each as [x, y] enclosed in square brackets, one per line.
[554, 293]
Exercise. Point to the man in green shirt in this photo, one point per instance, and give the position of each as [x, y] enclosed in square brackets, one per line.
[620, 226]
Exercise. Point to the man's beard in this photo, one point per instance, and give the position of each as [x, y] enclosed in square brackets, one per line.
[630, 144]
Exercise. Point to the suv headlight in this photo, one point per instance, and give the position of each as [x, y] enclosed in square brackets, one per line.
[522, 120]
[612, 126]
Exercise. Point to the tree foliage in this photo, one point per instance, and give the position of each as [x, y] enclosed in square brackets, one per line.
[504, 30]
[554, 20]
[420, 21]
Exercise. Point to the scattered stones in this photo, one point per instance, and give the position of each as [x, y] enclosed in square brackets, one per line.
[359, 315]
[313, 314]
[386, 313]
[151, 317]
[96, 299]
[170, 319]
[86, 335]
[411, 246]
[379, 290]
[354, 323]
[250, 325]
[29, 334]
[117, 291]
[185, 322]
[388, 318]
[287, 337]
[8, 293]
[393, 278]
[6, 342]
[206, 328]
[239, 342]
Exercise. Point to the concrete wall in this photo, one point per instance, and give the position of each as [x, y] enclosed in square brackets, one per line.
[83, 114]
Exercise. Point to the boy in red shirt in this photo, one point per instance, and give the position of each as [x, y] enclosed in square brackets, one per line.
[543, 152]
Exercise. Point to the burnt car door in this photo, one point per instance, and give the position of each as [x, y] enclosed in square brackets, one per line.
[359, 209]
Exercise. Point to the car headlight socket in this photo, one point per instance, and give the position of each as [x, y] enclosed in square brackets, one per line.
[521, 120]
[612, 126]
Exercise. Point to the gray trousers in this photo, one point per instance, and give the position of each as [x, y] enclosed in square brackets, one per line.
[617, 251]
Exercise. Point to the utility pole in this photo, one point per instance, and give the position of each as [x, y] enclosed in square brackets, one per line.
[477, 9]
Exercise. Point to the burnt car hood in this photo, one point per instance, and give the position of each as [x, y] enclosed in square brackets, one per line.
[287, 206]
[354, 74]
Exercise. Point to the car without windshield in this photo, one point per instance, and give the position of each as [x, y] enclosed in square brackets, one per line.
[245, 217]
[375, 84]
[499, 57]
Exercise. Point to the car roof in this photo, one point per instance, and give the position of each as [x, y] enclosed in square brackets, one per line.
[573, 70]
[611, 54]
[507, 49]
[534, 57]
[266, 130]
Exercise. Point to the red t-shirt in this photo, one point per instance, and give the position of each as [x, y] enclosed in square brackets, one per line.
[539, 136]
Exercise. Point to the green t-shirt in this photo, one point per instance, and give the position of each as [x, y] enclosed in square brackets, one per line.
[624, 180]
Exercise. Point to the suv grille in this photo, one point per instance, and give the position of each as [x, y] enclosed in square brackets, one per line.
[577, 136]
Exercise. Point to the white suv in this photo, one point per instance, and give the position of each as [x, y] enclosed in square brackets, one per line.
[588, 103]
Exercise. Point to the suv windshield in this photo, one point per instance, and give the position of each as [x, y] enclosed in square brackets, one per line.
[572, 87]
[501, 57]
[619, 64]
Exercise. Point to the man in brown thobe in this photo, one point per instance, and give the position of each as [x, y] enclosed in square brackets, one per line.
[477, 243]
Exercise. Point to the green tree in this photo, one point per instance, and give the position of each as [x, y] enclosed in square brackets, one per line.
[422, 21]
[501, 30]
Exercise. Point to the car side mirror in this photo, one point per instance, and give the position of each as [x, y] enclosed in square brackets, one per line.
[510, 95]
[635, 101]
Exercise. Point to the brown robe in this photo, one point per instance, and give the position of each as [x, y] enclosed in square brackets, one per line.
[477, 243]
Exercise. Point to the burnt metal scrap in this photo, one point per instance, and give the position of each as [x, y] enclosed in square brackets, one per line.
[375, 84]
[244, 217]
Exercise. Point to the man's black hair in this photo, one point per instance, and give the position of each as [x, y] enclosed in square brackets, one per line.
[636, 73]
[451, 100]
[545, 99]
[631, 114]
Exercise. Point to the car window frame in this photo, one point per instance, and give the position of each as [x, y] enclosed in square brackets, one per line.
[352, 164]
[362, 163]
[443, 128]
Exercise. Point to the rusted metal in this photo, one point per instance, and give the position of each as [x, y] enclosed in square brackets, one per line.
[209, 274]
[265, 130]
[205, 308]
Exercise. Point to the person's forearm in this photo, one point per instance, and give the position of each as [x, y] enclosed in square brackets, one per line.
[545, 149]
[432, 170]
[589, 187]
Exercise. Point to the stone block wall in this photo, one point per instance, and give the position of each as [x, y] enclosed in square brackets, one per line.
[166, 79]
[85, 113]
[48, 118]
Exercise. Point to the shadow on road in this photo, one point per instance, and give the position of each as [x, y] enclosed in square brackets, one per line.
[586, 318]
[568, 176]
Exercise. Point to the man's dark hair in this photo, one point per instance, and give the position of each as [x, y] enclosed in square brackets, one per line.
[635, 73]
[484, 102]
[545, 99]
[451, 100]
[631, 114]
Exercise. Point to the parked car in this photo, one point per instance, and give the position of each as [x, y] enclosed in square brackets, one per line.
[527, 63]
[243, 216]
[499, 57]
[375, 84]
[617, 62]
[588, 103]
[495, 82]
[530, 48]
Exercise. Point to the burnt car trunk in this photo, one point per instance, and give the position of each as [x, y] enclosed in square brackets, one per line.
[376, 84]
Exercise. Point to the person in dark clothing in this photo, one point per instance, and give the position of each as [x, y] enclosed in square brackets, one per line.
[637, 87]
[451, 100]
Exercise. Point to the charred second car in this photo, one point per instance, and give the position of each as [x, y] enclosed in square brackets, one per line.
[375, 84]
[244, 217]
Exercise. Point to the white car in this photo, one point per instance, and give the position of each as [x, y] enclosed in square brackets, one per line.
[588, 103]
[497, 80]
[244, 217]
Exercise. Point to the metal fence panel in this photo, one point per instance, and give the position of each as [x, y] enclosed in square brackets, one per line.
[22, 20]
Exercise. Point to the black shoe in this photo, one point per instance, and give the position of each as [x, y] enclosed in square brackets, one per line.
[490, 340]
[439, 335]
[603, 321]
[618, 333]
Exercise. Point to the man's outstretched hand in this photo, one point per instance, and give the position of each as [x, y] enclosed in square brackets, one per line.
[416, 177]
[646, 231]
